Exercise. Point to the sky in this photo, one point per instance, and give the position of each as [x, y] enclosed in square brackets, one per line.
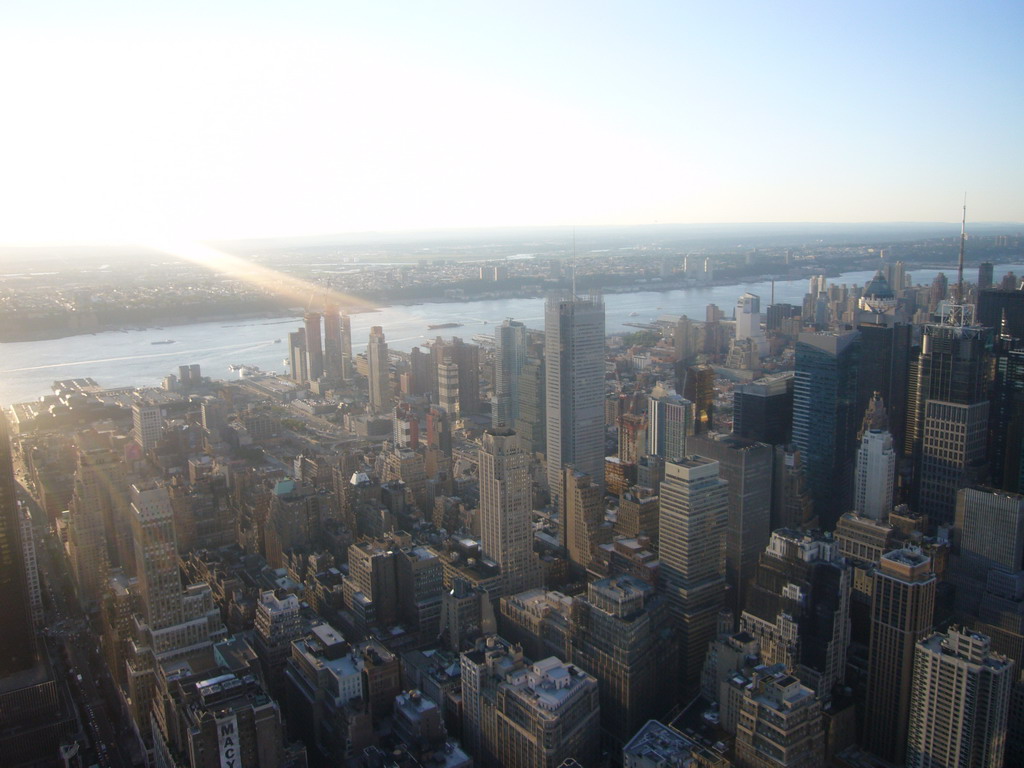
[135, 122]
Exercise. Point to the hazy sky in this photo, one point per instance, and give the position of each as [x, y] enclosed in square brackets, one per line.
[134, 120]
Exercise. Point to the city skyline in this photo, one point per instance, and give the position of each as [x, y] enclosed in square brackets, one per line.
[258, 122]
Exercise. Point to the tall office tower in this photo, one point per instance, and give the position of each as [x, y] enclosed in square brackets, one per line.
[670, 421]
[293, 519]
[371, 586]
[798, 608]
[684, 341]
[884, 368]
[99, 519]
[380, 371]
[792, 506]
[780, 724]
[333, 356]
[467, 357]
[989, 531]
[748, 322]
[825, 418]
[448, 388]
[506, 534]
[985, 271]
[988, 535]
[746, 466]
[875, 478]
[620, 633]
[17, 641]
[527, 715]
[314, 347]
[633, 432]
[582, 519]
[509, 357]
[347, 361]
[996, 303]
[156, 555]
[947, 415]
[419, 373]
[277, 623]
[939, 290]
[896, 275]
[574, 355]
[960, 702]
[902, 605]
[763, 409]
[697, 384]
[147, 425]
[694, 514]
[28, 549]
[639, 510]
[297, 355]
[1006, 415]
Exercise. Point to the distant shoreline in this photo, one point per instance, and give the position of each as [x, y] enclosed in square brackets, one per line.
[158, 322]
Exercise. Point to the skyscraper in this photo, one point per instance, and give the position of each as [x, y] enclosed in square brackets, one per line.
[531, 424]
[156, 555]
[297, 355]
[746, 466]
[510, 354]
[798, 608]
[901, 614]
[17, 644]
[333, 356]
[574, 355]
[763, 409]
[314, 347]
[748, 321]
[875, 479]
[380, 374]
[694, 513]
[947, 415]
[147, 425]
[505, 510]
[582, 516]
[346, 348]
[825, 417]
[669, 423]
[960, 702]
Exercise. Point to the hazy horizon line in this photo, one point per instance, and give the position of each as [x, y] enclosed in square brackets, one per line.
[506, 229]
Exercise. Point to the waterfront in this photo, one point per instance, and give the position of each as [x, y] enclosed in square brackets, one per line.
[130, 358]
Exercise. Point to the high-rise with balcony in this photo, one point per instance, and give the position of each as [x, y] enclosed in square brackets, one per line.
[902, 605]
[574, 355]
[960, 702]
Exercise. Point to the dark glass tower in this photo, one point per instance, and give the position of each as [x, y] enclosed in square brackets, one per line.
[17, 641]
[826, 418]
[947, 415]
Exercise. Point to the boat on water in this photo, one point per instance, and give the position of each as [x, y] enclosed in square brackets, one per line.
[277, 341]
[165, 341]
[437, 326]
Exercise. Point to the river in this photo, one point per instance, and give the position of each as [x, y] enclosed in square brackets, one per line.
[122, 358]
